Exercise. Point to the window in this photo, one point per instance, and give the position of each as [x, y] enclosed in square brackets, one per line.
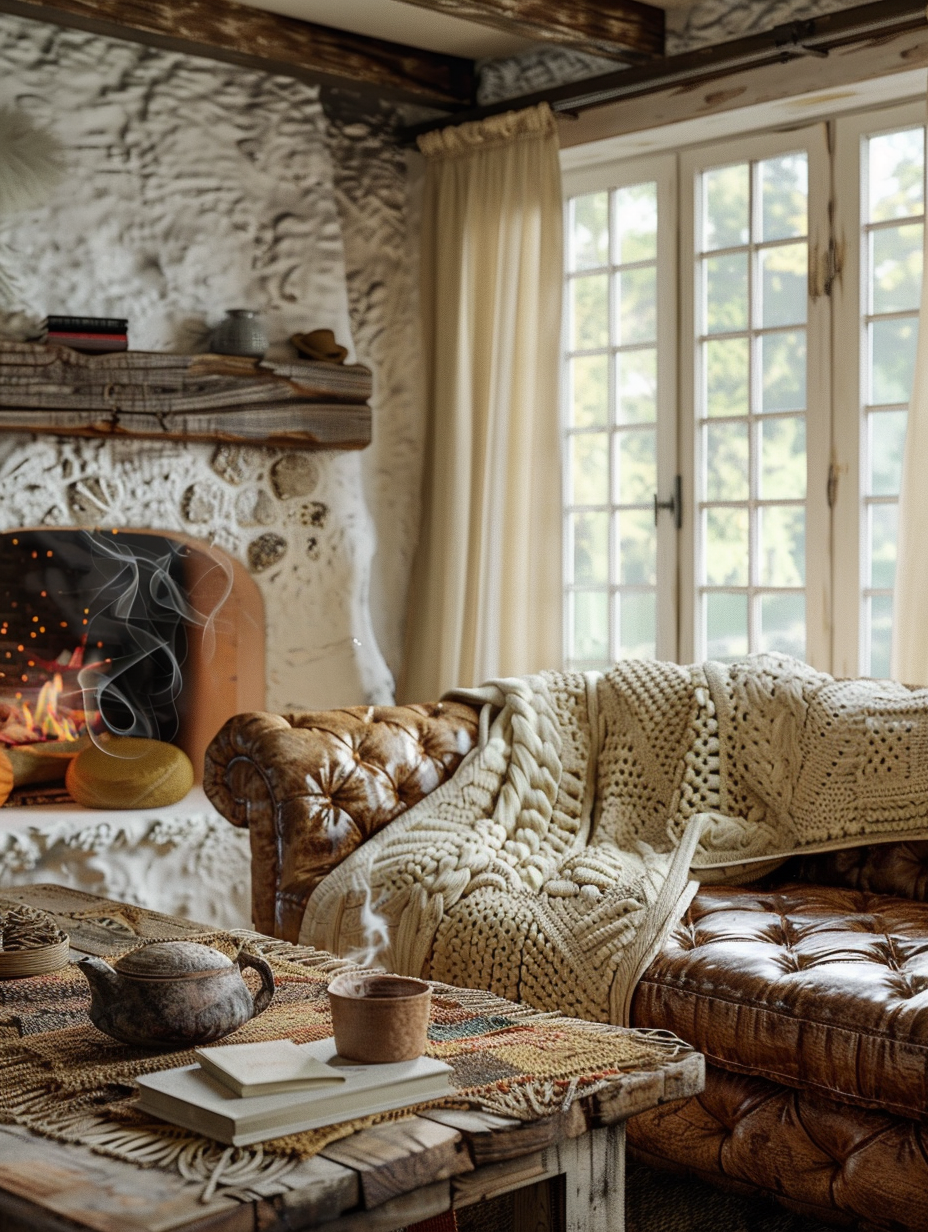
[880, 192]
[620, 302]
[780, 398]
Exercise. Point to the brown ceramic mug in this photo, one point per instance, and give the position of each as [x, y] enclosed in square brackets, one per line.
[379, 1018]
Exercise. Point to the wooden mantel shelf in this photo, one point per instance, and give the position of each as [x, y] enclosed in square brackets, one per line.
[154, 396]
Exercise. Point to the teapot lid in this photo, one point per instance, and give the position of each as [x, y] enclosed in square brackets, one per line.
[172, 959]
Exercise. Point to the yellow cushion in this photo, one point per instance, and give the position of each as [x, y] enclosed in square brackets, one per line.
[127, 772]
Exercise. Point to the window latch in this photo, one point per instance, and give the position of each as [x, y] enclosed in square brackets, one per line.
[674, 505]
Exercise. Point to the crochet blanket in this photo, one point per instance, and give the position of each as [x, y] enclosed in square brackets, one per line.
[552, 865]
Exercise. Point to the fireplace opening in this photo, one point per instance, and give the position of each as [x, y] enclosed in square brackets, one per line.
[123, 631]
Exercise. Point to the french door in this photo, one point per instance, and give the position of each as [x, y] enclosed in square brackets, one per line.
[742, 316]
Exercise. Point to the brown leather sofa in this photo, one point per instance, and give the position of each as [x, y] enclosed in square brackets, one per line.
[808, 993]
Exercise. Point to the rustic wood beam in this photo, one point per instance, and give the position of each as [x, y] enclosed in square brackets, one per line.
[238, 34]
[624, 30]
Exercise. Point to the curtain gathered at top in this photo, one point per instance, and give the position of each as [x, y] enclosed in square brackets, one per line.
[910, 605]
[485, 597]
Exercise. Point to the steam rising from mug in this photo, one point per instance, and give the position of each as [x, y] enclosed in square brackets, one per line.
[141, 596]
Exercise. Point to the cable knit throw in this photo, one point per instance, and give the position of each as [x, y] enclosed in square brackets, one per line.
[551, 866]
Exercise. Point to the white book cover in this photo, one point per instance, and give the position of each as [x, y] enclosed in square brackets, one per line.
[267, 1067]
[190, 1097]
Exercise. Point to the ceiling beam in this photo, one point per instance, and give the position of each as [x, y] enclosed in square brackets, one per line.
[619, 29]
[237, 34]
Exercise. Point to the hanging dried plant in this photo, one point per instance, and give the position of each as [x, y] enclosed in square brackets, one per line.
[31, 163]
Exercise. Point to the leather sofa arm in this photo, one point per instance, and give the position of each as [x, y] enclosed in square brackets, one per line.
[313, 786]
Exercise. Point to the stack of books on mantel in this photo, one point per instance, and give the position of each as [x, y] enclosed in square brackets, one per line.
[246, 1093]
[96, 335]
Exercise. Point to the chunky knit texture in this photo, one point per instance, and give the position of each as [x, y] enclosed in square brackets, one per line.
[552, 865]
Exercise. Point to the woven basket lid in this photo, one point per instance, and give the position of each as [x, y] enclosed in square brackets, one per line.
[163, 959]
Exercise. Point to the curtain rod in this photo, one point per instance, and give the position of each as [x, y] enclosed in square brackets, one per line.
[816, 36]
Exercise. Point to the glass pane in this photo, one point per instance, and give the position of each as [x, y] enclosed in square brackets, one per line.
[782, 546]
[881, 634]
[589, 469]
[590, 631]
[589, 535]
[896, 262]
[783, 624]
[636, 223]
[783, 363]
[896, 174]
[589, 231]
[727, 461]
[887, 442]
[782, 459]
[726, 541]
[726, 369]
[784, 285]
[726, 293]
[637, 625]
[884, 533]
[637, 539]
[636, 387]
[784, 191]
[636, 305]
[589, 312]
[725, 206]
[636, 467]
[726, 626]
[892, 358]
[589, 391]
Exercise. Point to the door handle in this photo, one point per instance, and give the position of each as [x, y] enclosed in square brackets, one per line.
[674, 505]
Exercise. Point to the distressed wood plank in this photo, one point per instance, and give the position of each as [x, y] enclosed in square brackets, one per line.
[238, 34]
[399, 1212]
[493, 1138]
[494, 1179]
[91, 1191]
[679, 1078]
[400, 1156]
[739, 88]
[621, 29]
[594, 1181]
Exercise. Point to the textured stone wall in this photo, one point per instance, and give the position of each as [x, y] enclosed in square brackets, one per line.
[192, 187]
[707, 21]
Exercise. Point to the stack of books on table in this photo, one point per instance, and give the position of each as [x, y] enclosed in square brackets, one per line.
[246, 1093]
[93, 334]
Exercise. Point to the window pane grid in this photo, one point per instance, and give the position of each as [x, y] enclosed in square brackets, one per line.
[751, 328]
[611, 426]
[893, 215]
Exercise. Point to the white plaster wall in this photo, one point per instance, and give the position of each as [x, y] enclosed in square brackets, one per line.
[193, 187]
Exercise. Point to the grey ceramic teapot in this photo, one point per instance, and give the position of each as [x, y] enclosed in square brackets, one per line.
[174, 994]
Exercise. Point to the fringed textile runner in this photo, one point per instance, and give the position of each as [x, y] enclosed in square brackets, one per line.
[64, 1079]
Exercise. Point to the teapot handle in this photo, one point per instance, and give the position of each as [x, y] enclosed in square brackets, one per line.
[266, 991]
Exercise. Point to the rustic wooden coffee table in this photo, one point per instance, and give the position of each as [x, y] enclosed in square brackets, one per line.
[565, 1172]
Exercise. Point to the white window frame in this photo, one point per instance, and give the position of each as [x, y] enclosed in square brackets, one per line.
[662, 169]
[814, 139]
[849, 549]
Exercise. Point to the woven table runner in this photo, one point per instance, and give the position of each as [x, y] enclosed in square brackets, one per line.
[62, 1078]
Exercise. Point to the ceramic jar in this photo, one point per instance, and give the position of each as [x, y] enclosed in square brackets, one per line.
[241, 333]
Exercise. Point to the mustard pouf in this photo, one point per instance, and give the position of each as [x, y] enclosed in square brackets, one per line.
[128, 772]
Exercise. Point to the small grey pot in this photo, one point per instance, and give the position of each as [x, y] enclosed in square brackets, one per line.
[241, 333]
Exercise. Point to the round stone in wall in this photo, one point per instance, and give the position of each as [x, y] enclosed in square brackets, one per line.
[197, 503]
[295, 474]
[254, 507]
[266, 551]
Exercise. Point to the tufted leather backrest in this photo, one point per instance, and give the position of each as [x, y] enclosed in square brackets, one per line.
[900, 869]
[313, 786]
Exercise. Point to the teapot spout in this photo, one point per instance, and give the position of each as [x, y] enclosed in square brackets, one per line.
[100, 976]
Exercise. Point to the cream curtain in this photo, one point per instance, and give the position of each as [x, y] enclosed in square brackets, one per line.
[910, 607]
[485, 598]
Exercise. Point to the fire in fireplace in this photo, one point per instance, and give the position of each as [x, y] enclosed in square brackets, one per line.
[129, 632]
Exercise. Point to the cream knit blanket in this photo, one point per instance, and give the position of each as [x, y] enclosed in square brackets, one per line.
[552, 865]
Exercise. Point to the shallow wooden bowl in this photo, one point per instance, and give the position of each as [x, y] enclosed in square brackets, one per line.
[37, 960]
